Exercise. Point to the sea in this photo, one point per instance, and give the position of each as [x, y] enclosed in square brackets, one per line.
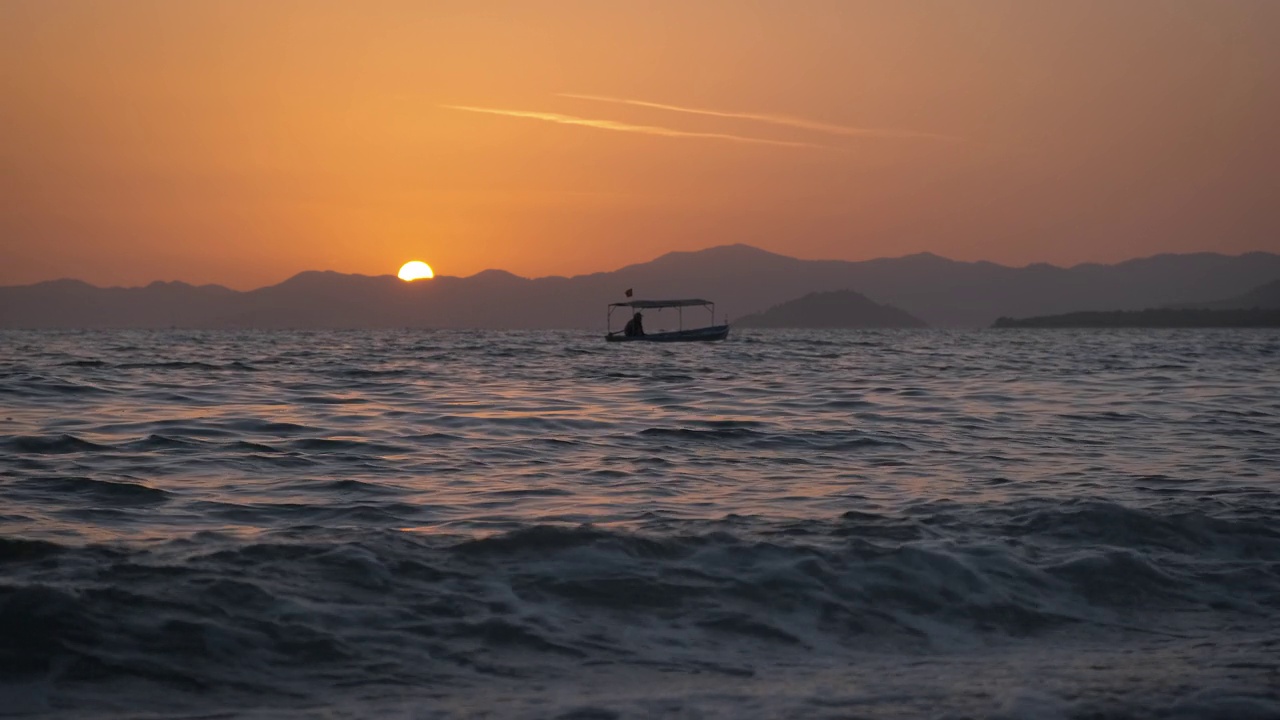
[996, 524]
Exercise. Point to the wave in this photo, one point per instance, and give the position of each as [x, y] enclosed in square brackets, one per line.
[381, 513]
[701, 434]
[103, 491]
[19, 549]
[65, 444]
[369, 373]
[49, 444]
[318, 601]
[188, 365]
[37, 386]
[1094, 522]
[269, 427]
[333, 445]
[156, 441]
[750, 435]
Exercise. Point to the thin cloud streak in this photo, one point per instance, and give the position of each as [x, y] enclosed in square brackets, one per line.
[627, 127]
[784, 120]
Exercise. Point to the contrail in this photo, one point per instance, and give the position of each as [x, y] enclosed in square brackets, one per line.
[626, 127]
[785, 120]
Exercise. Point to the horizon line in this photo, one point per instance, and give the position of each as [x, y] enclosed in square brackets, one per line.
[644, 262]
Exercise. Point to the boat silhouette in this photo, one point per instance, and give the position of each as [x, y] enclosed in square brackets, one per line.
[634, 330]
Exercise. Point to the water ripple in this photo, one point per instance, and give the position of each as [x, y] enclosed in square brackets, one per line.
[540, 524]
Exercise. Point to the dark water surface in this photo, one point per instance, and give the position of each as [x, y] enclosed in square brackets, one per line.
[984, 524]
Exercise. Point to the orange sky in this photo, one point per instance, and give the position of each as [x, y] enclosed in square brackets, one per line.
[241, 142]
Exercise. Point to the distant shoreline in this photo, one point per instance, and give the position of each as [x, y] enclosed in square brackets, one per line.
[745, 281]
[1151, 318]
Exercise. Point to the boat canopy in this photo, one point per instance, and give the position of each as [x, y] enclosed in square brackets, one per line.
[661, 303]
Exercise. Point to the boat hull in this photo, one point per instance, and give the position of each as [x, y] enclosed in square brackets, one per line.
[706, 334]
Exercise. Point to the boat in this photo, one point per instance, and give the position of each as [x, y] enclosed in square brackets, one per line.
[709, 332]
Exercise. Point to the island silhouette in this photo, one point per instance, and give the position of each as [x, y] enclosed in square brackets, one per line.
[1264, 296]
[1151, 318]
[740, 279]
[1259, 307]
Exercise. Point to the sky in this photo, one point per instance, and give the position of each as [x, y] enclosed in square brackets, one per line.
[239, 142]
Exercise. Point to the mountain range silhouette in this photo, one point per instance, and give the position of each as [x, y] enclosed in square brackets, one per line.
[832, 309]
[739, 278]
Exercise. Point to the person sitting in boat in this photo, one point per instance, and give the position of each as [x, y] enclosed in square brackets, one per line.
[635, 326]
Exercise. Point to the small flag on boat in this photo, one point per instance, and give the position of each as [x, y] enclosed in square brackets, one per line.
[628, 292]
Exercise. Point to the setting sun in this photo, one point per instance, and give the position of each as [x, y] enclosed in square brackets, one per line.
[415, 270]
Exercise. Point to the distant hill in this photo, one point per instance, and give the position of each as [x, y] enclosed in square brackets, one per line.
[741, 280]
[835, 309]
[1152, 318]
[1264, 296]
